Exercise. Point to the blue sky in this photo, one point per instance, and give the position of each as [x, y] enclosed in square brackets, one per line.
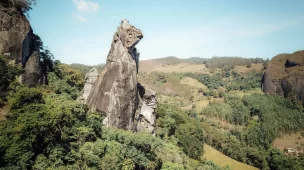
[81, 31]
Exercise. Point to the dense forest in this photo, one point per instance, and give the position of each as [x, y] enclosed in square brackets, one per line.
[46, 128]
[251, 141]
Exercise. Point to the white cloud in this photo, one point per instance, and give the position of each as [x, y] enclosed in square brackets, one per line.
[80, 18]
[86, 5]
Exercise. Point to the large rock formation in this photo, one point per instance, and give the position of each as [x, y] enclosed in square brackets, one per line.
[285, 75]
[33, 73]
[90, 78]
[17, 42]
[115, 90]
[15, 33]
[146, 119]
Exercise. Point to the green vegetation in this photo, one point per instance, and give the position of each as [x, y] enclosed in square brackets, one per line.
[246, 82]
[228, 63]
[224, 62]
[84, 69]
[65, 80]
[8, 74]
[262, 118]
[211, 81]
[45, 130]
[223, 160]
[174, 124]
[232, 81]
[242, 127]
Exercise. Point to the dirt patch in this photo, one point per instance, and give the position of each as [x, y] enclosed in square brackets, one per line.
[147, 66]
[3, 112]
[294, 141]
[254, 67]
[193, 83]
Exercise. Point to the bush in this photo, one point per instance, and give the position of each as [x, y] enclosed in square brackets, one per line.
[8, 74]
[174, 122]
[190, 137]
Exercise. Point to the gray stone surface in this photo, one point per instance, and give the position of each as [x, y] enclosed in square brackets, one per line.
[14, 27]
[115, 90]
[146, 119]
[32, 74]
[90, 78]
[17, 43]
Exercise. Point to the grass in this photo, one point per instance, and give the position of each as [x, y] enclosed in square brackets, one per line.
[158, 65]
[201, 105]
[254, 67]
[223, 160]
[193, 83]
[241, 94]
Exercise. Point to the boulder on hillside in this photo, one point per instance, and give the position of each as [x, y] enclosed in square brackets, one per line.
[285, 75]
[115, 90]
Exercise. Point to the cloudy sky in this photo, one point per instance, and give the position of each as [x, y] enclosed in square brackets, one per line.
[81, 31]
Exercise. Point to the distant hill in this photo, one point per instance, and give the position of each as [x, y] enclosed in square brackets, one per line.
[200, 65]
[86, 68]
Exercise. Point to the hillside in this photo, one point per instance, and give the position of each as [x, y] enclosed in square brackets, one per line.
[223, 160]
[219, 113]
[200, 65]
[233, 109]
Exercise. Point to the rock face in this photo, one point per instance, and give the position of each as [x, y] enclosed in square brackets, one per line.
[115, 91]
[146, 119]
[285, 75]
[90, 78]
[33, 73]
[17, 42]
[14, 28]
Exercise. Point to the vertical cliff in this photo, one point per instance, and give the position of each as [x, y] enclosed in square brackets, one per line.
[17, 42]
[115, 90]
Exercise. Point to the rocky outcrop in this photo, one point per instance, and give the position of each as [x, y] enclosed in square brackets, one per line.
[33, 74]
[115, 91]
[146, 119]
[14, 28]
[17, 42]
[285, 75]
[90, 78]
